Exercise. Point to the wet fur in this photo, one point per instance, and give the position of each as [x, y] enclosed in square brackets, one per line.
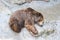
[25, 18]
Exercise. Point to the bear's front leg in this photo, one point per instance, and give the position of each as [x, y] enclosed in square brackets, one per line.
[30, 27]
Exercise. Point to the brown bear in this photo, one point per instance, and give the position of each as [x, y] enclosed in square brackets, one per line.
[26, 18]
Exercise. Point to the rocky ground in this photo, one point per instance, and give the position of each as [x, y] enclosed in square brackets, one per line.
[50, 30]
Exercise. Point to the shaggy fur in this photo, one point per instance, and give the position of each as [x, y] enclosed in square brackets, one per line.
[26, 18]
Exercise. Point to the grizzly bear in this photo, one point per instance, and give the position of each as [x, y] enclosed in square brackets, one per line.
[26, 18]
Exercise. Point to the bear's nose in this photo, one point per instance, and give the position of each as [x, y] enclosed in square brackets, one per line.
[41, 25]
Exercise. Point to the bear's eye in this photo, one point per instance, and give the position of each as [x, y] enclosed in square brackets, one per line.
[38, 14]
[39, 20]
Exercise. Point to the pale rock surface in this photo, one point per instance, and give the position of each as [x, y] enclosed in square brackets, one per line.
[50, 29]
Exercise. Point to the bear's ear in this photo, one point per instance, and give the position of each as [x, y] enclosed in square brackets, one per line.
[38, 14]
[35, 13]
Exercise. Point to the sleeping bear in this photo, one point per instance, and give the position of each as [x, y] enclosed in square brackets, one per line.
[26, 18]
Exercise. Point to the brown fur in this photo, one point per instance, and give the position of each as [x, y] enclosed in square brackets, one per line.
[25, 18]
